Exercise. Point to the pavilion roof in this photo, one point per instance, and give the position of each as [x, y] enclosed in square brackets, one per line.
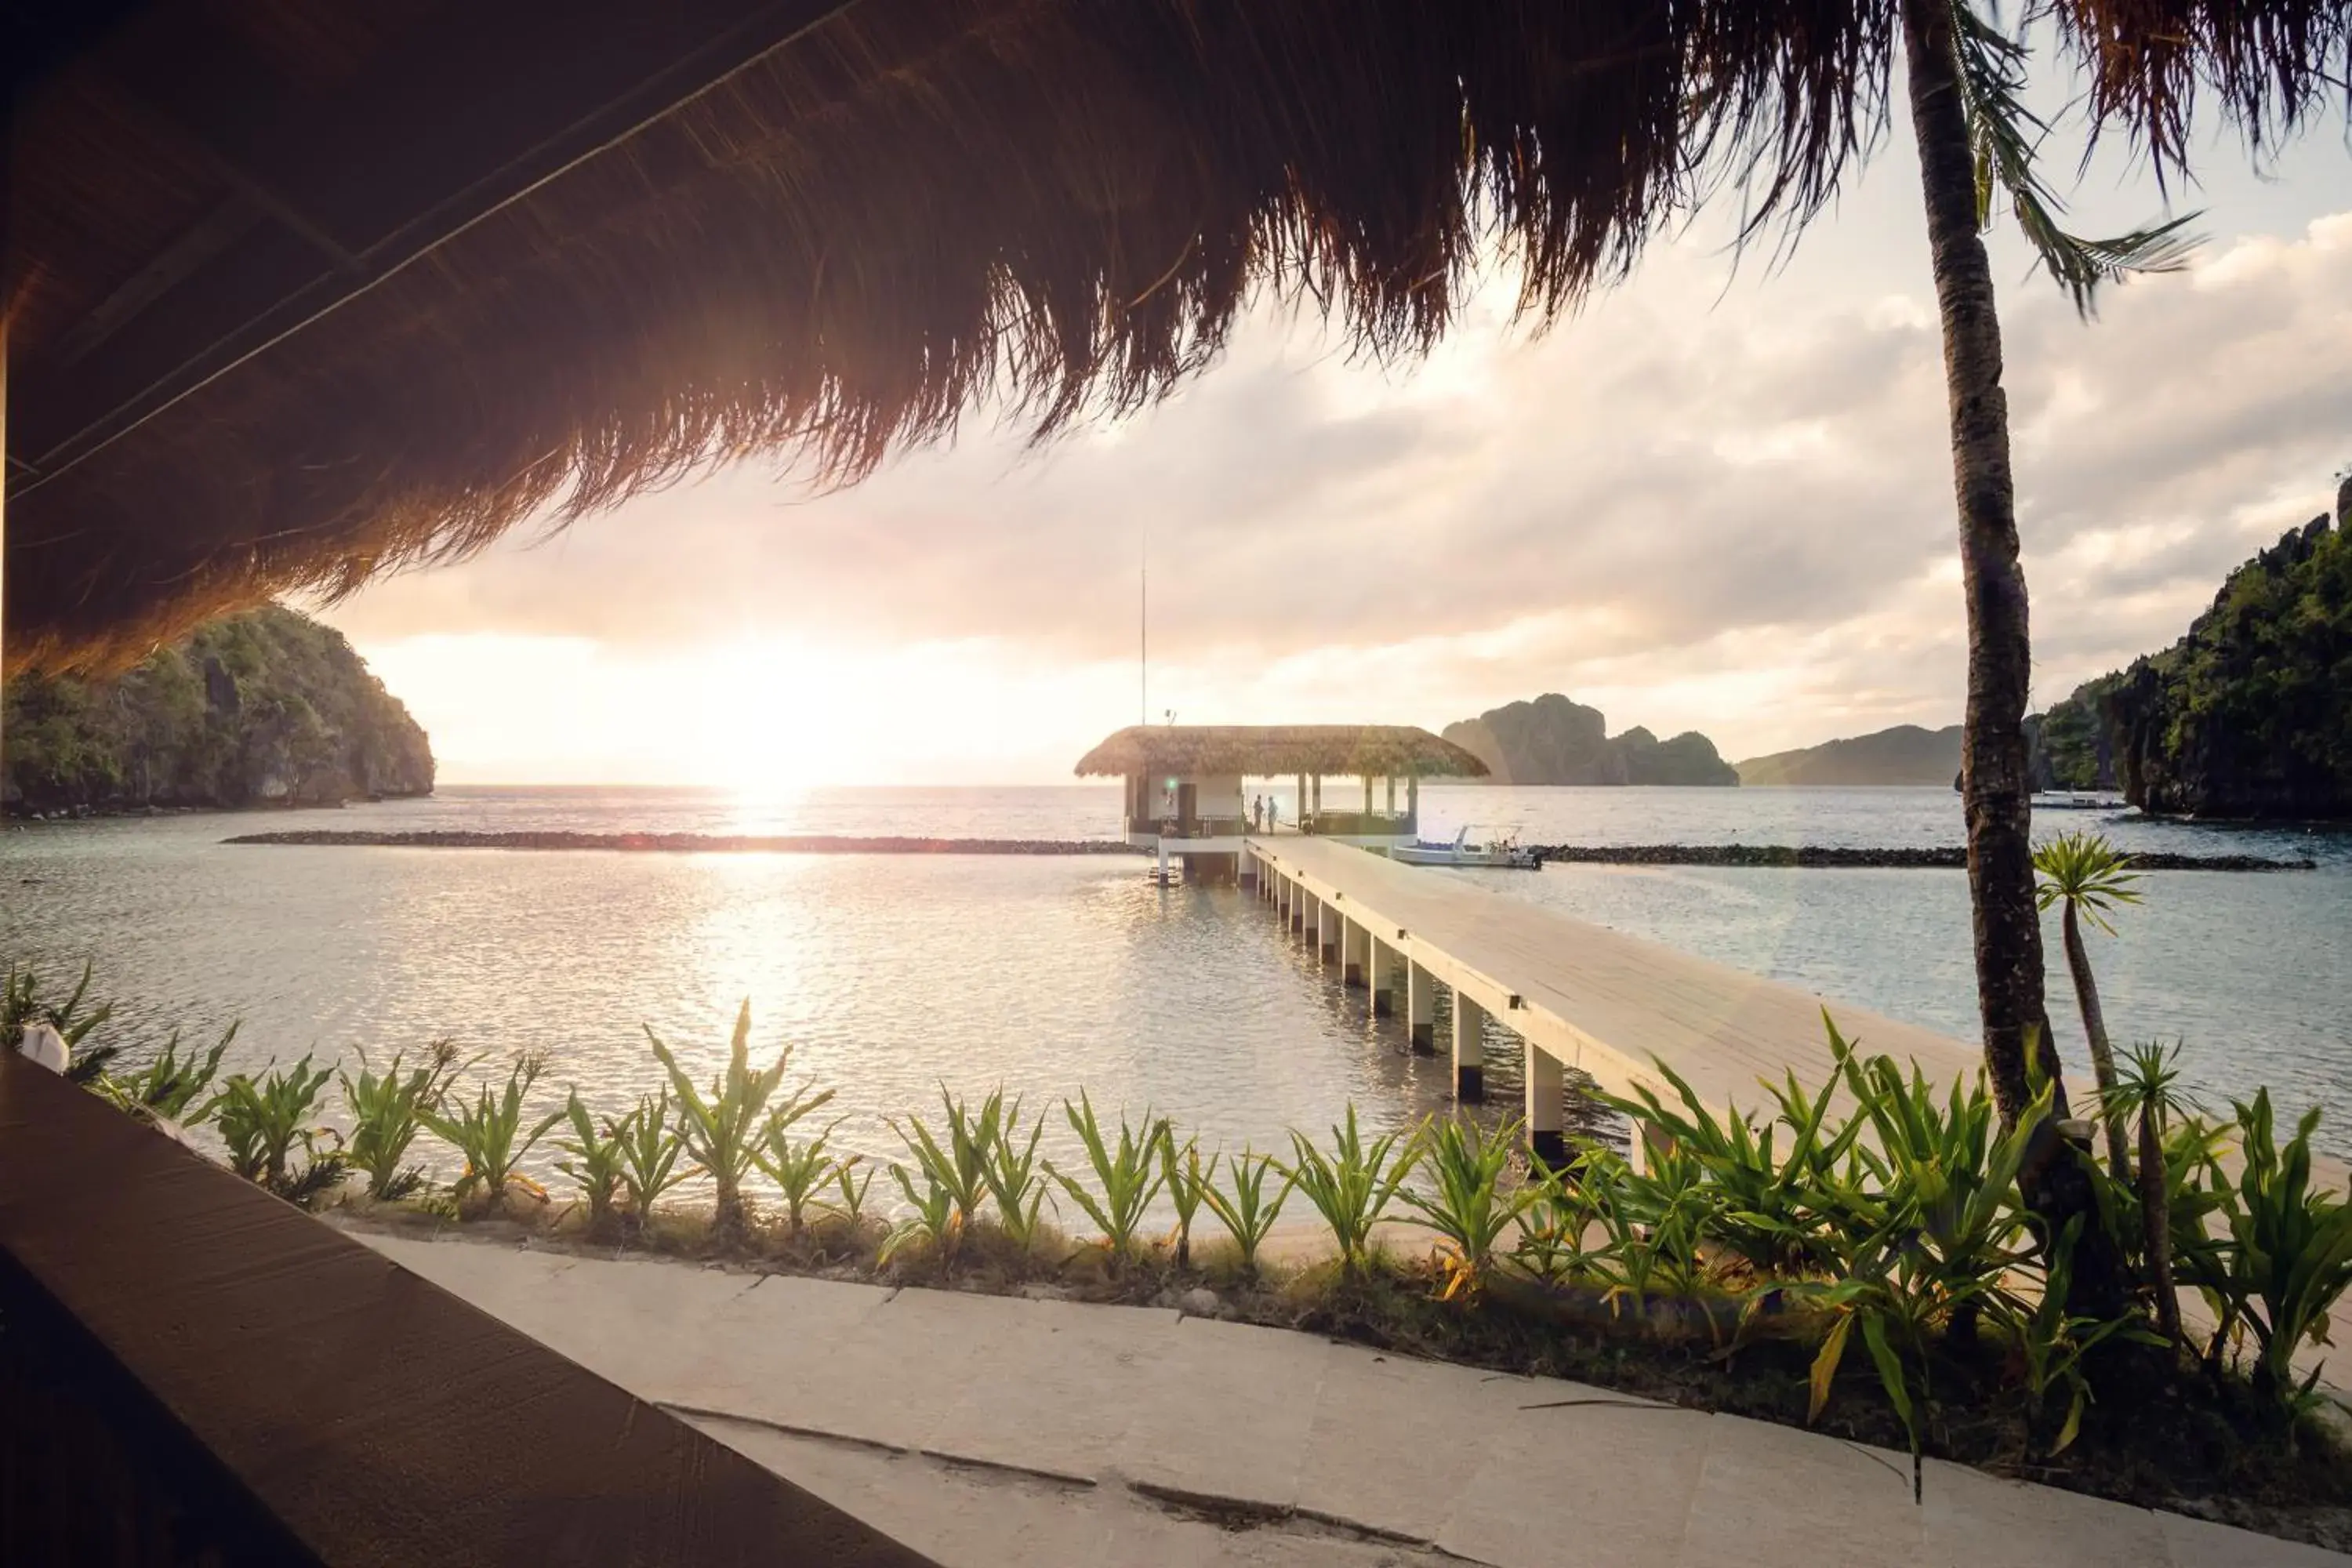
[1272, 750]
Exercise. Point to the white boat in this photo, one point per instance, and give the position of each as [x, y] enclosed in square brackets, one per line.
[2076, 800]
[1503, 854]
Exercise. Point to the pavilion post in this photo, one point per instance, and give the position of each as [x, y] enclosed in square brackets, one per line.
[1469, 1048]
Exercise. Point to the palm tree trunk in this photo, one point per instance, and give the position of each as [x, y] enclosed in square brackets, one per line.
[2057, 1183]
[2094, 1030]
[2156, 1222]
[1994, 785]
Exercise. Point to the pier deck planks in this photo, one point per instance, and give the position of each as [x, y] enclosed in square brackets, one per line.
[1598, 1000]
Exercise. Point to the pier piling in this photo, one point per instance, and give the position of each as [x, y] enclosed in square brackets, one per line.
[1469, 1048]
[1421, 1008]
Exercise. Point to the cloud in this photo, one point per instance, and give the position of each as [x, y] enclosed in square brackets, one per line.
[1711, 500]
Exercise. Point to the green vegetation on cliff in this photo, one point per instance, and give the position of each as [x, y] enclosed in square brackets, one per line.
[264, 708]
[1552, 741]
[2249, 715]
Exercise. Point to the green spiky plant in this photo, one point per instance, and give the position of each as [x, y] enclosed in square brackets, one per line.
[799, 1169]
[2285, 1257]
[21, 1004]
[172, 1087]
[956, 1159]
[1127, 1174]
[1557, 1245]
[1241, 1206]
[1186, 1179]
[2089, 878]
[851, 1178]
[1017, 1179]
[490, 1133]
[1354, 1184]
[724, 1129]
[265, 1122]
[593, 1157]
[1467, 1205]
[934, 1220]
[649, 1151]
[387, 1111]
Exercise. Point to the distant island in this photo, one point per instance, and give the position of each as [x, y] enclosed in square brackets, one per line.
[267, 708]
[1552, 741]
[2248, 715]
[1906, 754]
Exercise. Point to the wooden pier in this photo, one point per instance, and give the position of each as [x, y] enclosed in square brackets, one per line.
[1576, 994]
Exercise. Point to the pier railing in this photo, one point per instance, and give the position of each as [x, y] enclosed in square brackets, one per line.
[193, 1371]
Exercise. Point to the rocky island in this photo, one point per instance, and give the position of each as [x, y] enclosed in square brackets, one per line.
[267, 708]
[1552, 741]
[2248, 715]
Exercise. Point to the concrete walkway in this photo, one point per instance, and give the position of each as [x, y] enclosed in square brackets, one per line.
[991, 1431]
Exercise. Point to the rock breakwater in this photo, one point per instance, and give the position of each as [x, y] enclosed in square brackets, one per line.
[1812, 856]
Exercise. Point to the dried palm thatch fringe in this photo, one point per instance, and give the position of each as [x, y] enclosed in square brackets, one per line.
[1268, 751]
[1045, 210]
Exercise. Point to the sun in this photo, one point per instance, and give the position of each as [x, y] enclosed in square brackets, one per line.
[770, 716]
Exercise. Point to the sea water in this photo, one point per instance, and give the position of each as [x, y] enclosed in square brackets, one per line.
[894, 975]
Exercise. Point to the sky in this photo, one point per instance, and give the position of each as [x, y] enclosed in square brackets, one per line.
[1719, 499]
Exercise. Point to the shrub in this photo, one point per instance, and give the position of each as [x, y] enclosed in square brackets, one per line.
[20, 1003]
[1014, 1179]
[1467, 1208]
[1354, 1184]
[388, 1112]
[595, 1160]
[489, 1132]
[172, 1087]
[649, 1147]
[724, 1130]
[1243, 1208]
[797, 1169]
[960, 1165]
[264, 1121]
[1186, 1179]
[1127, 1174]
[2286, 1256]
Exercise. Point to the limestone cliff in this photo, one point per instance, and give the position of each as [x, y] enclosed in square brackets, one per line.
[261, 708]
[1552, 741]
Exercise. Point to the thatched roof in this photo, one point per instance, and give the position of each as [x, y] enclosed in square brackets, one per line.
[306, 291]
[1272, 751]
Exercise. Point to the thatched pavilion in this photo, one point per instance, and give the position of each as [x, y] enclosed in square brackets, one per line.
[1186, 785]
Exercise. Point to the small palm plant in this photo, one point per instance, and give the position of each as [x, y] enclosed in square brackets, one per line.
[265, 1120]
[593, 1160]
[1353, 1185]
[798, 1169]
[387, 1111]
[2090, 878]
[1127, 1173]
[172, 1087]
[490, 1133]
[1468, 1207]
[1242, 1207]
[725, 1130]
[2148, 1093]
[649, 1148]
